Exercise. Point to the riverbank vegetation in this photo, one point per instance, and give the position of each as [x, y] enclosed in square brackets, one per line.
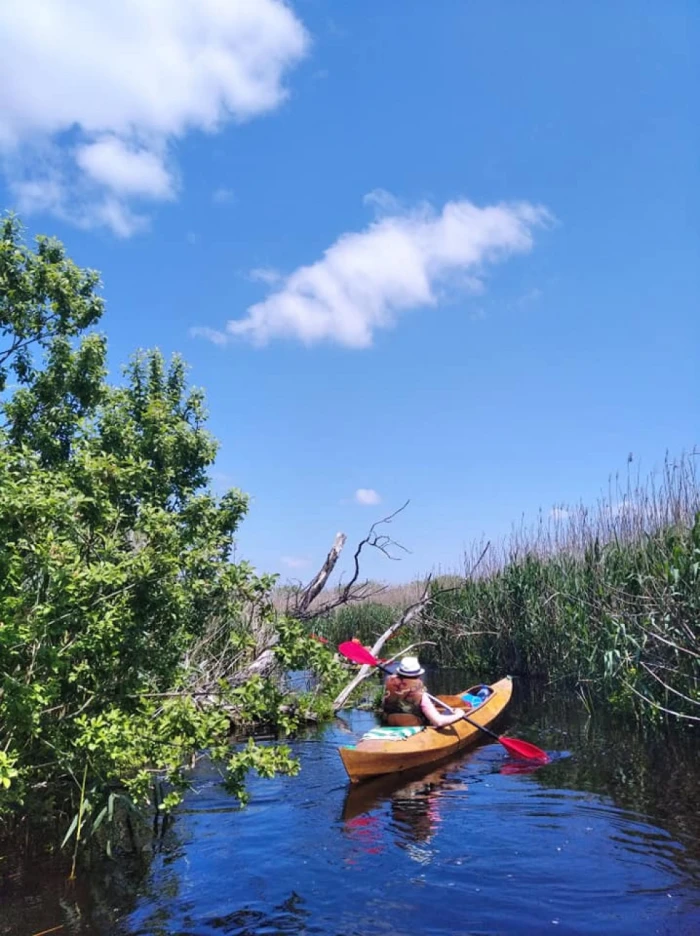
[605, 601]
[129, 633]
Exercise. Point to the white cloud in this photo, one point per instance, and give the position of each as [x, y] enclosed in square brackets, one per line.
[211, 334]
[403, 260]
[124, 169]
[295, 562]
[93, 94]
[367, 497]
[223, 196]
[267, 275]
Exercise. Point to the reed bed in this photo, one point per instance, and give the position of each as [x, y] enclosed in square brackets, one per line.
[603, 598]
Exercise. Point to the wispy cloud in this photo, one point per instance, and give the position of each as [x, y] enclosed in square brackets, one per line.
[267, 275]
[625, 507]
[529, 297]
[367, 279]
[93, 95]
[211, 334]
[295, 562]
[367, 497]
[382, 202]
[223, 196]
[222, 480]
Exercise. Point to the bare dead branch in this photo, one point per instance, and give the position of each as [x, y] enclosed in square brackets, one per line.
[660, 708]
[667, 686]
[353, 590]
[409, 614]
[364, 592]
[318, 582]
[378, 541]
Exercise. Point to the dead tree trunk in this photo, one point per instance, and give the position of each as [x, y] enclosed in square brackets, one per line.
[354, 590]
[318, 582]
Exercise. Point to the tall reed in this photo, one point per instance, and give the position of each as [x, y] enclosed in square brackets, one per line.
[604, 598]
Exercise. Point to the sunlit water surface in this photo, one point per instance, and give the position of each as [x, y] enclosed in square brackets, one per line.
[603, 840]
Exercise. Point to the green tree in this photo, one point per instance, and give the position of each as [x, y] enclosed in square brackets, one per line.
[115, 562]
[45, 302]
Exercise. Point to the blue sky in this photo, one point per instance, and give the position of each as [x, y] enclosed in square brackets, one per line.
[439, 251]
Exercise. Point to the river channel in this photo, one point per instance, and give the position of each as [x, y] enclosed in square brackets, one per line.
[603, 840]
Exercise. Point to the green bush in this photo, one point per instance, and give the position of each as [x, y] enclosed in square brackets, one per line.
[116, 565]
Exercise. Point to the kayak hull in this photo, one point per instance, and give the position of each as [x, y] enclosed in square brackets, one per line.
[372, 758]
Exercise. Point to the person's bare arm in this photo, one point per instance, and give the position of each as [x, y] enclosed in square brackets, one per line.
[438, 719]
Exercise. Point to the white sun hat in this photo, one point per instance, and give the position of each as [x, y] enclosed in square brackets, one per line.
[410, 668]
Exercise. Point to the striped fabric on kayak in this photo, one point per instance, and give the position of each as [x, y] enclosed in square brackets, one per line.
[392, 733]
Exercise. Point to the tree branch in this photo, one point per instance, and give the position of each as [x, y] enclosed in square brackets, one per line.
[351, 591]
[409, 614]
[656, 705]
[318, 582]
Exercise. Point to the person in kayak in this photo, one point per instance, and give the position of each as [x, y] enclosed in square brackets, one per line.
[406, 701]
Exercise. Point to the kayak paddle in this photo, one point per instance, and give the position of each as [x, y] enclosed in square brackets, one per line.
[358, 654]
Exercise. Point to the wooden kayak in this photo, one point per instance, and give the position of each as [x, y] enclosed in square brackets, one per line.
[373, 757]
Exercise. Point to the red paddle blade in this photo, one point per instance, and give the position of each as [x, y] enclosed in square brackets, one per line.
[357, 653]
[524, 750]
[354, 651]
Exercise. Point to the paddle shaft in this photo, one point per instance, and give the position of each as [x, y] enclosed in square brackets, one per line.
[464, 716]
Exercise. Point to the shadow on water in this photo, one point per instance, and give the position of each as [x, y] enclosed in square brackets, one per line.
[604, 841]
[38, 896]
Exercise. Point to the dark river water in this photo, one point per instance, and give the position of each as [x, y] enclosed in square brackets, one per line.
[604, 840]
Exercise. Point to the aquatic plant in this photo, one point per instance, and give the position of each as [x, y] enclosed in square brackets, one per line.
[605, 600]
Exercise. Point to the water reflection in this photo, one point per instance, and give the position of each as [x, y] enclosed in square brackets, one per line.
[413, 817]
[415, 814]
[414, 797]
[604, 842]
[417, 801]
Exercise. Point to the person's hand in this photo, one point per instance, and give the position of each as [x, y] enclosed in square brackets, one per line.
[461, 712]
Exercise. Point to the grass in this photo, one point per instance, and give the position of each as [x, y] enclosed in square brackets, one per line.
[605, 599]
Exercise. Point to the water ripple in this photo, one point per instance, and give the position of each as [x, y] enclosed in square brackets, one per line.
[467, 849]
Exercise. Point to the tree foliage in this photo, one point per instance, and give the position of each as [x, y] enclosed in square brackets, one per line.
[115, 560]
